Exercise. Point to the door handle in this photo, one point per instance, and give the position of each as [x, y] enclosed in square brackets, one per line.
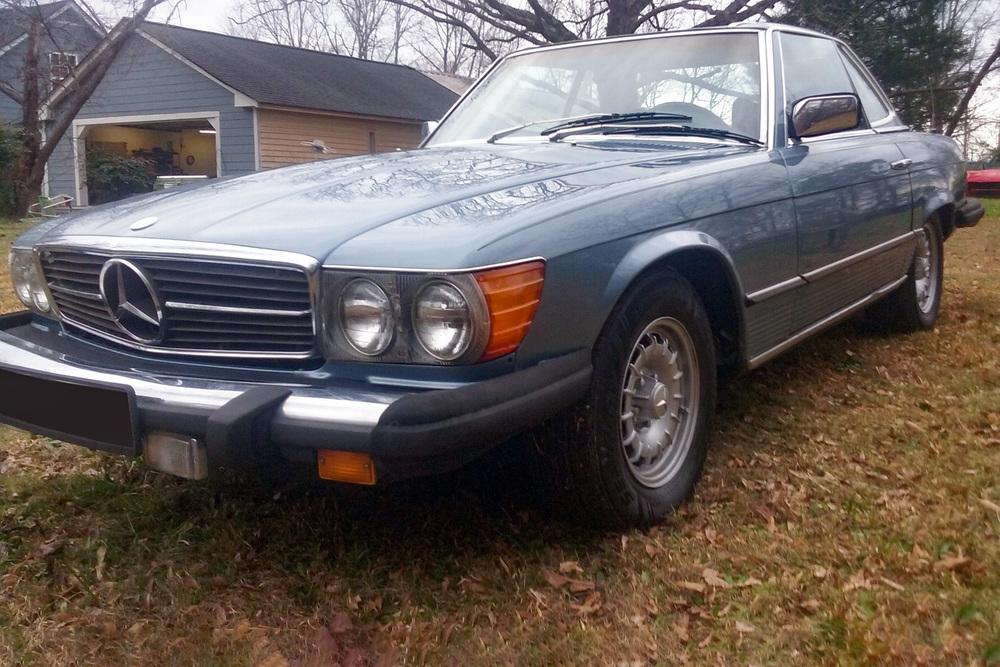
[901, 164]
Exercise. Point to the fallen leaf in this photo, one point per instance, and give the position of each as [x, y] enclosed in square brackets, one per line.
[810, 606]
[591, 604]
[952, 563]
[680, 627]
[744, 627]
[560, 581]
[340, 623]
[712, 578]
[570, 566]
[692, 586]
[50, 547]
[102, 551]
[891, 584]
[990, 505]
[820, 572]
[749, 581]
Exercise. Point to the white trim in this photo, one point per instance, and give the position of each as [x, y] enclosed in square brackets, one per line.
[10, 45]
[256, 140]
[76, 136]
[80, 126]
[151, 118]
[45, 176]
[239, 99]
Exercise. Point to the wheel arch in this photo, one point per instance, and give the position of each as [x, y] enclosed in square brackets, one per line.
[704, 263]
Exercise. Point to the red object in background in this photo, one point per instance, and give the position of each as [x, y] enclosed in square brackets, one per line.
[984, 183]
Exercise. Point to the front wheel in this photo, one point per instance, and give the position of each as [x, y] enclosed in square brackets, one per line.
[633, 450]
[915, 304]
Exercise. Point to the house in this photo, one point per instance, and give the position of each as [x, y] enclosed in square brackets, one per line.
[70, 34]
[198, 103]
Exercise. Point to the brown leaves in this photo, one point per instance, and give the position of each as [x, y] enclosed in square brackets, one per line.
[591, 602]
[556, 580]
[712, 578]
[951, 563]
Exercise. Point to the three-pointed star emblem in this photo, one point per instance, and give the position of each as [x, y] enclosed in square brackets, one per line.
[132, 300]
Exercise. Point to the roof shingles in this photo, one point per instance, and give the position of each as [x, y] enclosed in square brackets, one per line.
[279, 75]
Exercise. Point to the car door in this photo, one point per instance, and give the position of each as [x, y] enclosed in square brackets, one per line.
[851, 192]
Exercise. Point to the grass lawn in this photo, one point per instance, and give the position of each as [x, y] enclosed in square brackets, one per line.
[850, 513]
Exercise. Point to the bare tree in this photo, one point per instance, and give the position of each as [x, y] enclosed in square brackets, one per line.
[539, 23]
[301, 23]
[72, 93]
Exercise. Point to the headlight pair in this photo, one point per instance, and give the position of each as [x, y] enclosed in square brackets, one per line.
[29, 285]
[429, 318]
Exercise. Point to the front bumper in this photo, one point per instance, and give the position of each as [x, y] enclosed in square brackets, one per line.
[407, 432]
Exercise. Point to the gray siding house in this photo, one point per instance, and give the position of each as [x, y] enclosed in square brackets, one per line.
[204, 105]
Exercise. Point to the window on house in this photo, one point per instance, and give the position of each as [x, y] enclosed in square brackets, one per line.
[61, 65]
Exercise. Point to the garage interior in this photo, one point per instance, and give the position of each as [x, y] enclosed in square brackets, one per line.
[173, 148]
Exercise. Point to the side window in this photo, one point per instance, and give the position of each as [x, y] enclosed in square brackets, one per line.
[812, 66]
[872, 104]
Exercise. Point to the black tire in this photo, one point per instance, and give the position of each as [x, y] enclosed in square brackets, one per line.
[579, 460]
[902, 311]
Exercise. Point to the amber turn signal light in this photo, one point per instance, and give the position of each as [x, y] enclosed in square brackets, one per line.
[349, 467]
[512, 295]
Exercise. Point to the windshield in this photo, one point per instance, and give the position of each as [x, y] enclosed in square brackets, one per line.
[714, 79]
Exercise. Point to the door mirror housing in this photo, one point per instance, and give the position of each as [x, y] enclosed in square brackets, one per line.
[825, 114]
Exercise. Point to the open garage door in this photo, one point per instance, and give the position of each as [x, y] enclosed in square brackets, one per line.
[147, 150]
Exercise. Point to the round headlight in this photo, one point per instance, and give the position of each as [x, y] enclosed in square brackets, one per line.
[21, 275]
[366, 317]
[442, 320]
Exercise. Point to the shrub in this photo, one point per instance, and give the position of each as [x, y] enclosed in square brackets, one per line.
[113, 177]
[10, 143]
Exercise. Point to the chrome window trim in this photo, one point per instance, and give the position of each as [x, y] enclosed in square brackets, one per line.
[196, 250]
[760, 31]
[430, 272]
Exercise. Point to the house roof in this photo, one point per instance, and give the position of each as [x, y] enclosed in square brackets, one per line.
[14, 21]
[277, 75]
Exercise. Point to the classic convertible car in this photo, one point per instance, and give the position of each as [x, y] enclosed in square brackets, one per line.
[594, 234]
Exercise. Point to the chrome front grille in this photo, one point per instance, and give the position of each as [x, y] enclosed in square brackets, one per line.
[210, 307]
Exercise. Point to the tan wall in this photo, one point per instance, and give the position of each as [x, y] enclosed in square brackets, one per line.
[282, 134]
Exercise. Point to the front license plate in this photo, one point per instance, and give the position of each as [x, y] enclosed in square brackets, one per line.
[89, 414]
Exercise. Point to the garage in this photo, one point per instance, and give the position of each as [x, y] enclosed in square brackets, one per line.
[161, 151]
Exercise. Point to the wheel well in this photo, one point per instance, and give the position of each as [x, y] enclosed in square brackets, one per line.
[946, 218]
[710, 276]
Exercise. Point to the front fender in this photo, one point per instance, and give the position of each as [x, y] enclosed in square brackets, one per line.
[657, 250]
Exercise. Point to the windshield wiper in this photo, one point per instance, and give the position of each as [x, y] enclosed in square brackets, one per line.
[663, 130]
[556, 124]
[604, 118]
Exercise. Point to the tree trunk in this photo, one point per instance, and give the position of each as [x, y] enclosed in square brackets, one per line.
[28, 186]
[963, 105]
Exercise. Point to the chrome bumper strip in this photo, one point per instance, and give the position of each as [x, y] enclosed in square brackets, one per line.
[332, 407]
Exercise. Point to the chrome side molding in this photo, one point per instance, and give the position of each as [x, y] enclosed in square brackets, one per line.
[825, 323]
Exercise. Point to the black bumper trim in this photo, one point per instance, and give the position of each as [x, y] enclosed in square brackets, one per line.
[441, 430]
[969, 213]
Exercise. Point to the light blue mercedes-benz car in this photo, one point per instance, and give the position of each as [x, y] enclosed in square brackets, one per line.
[594, 234]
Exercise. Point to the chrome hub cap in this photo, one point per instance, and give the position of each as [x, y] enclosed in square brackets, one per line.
[659, 402]
[925, 270]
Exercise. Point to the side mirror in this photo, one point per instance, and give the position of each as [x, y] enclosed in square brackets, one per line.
[825, 114]
[429, 127]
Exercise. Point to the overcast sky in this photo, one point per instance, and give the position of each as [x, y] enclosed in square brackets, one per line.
[211, 15]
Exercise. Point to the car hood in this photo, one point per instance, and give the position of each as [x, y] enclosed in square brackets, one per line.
[408, 208]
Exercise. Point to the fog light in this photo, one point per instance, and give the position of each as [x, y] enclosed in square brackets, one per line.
[179, 455]
[350, 467]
